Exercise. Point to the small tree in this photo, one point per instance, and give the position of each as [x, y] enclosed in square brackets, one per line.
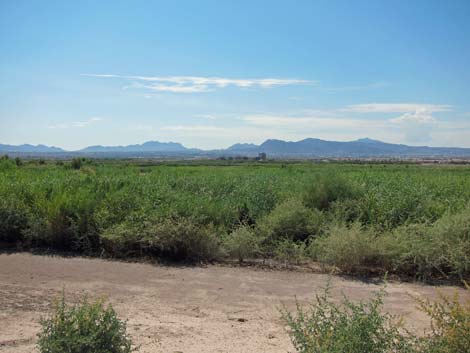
[76, 163]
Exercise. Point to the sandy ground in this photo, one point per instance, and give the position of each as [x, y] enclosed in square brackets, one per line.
[177, 309]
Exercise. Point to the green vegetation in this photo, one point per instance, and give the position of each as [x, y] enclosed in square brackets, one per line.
[327, 327]
[360, 218]
[86, 327]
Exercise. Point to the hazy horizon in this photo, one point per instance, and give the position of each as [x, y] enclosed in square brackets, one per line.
[209, 75]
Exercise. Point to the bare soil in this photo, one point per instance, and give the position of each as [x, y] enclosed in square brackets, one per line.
[178, 309]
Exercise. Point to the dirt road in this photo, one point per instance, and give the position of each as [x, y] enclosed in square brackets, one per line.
[175, 309]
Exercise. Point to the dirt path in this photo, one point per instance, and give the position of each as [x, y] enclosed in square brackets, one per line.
[213, 309]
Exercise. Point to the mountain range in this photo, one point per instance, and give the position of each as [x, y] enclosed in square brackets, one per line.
[307, 148]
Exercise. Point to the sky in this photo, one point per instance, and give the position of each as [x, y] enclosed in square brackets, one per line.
[209, 74]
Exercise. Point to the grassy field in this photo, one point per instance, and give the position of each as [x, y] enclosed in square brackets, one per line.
[409, 220]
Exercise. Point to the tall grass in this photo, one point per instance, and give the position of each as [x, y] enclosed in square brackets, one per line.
[403, 219]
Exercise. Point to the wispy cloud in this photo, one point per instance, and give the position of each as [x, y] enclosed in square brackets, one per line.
[396, 108]
[197, 84]
[311, 122]
[418, 116]
[76, 124]
[416, 120]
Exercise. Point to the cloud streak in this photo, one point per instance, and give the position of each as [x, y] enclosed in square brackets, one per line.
[412, 115]
[396, 108]
[198, 84]
[76, 124]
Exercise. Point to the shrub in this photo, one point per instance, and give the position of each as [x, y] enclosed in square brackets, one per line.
[330, 188]
[349, 327]
[76, 163]
[6, 163]
[177, 239]
[290, 220]
[242, 243]
[427, 251]
[13, 221]
[450, 324]
[289, 251]
[65, 222]
[89, 327]
[350, 248]
[182, 239]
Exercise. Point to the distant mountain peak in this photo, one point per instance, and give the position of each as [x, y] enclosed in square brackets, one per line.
[368, 140]
[243, 147]
[306, 148]
[28, 148]
[149, 146]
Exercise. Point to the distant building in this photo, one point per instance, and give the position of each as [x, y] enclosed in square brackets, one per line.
[262, 156]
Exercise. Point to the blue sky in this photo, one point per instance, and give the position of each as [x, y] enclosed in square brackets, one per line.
[212, 73]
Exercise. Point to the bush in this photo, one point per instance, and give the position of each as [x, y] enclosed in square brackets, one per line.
[289, 251]
[426, 251]
[242, 243]
[362, 327]
[83, 328]
[348, 327]
[182, 239]
[331, 188]
[439, 250]
[66, 222]
[177, 239]
[450, 324]
[13, 221]
[6, 163]
[290, 220]
[350, 248]
[76, 163]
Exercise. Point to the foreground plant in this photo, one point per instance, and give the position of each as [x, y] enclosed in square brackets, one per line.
[450, 324]
[88, 327]
[362, 327]
[349, 327]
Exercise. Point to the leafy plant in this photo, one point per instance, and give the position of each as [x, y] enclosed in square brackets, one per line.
[88, 327]
[327, 327]
[330, 188]
[243, 243]
[450, 324]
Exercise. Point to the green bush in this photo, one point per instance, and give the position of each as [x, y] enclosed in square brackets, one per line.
[290, 220]
[89, 327]
[182, 239]
[441, 249]
[350, 248]
[361, 327]
[290, 252]
[331, 188]
[174, 238]
[425, 251]
[13, 221]
[242, 243]
[76, 163]
[64, 221]
[346, 328]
